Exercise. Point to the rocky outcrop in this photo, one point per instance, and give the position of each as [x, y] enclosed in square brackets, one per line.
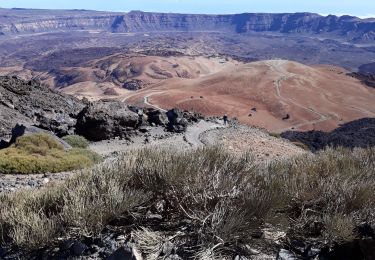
[25, 130]
[193, 117]
[29, 102]
[8, 119]
[359, 133]
[134, 84]
[366, 79]
[105, 120]
[367, 69]
[176, 121]
[156, 117]
[348, 27]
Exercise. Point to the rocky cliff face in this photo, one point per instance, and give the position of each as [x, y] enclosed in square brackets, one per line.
[32, 21]
[28, 102]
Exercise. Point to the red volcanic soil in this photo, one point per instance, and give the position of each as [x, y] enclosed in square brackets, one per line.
[319, 97]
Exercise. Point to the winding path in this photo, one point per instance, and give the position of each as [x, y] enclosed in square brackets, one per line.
[146, 100]
[193, 133]
[275, 66]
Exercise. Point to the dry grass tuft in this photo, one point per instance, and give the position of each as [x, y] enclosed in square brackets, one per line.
[222, 197]
[149, 242]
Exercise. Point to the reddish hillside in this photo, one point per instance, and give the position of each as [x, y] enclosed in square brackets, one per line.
[277, 95]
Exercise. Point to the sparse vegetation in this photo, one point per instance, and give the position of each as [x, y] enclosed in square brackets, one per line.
[276, 135]
[220, 198]
[301, 145]
[41, 153]
[76, 141]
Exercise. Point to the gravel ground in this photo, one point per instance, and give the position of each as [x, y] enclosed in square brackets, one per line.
[244, 138]
[12, 182]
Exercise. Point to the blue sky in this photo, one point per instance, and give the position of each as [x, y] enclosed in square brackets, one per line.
[363, 8]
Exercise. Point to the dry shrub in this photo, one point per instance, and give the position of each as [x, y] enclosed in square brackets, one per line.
[223, 197]
[339, 228]
[80, 206]
[149, 242]
[332, 183]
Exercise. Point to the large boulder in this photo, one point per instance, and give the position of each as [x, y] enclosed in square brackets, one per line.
[31, 102]
[157, 117]
[106, 119]
[59, 123]
[8, 118]
[193, 117]
[177, 123]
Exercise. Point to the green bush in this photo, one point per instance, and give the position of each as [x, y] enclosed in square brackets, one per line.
[76, 141]
[41, 153]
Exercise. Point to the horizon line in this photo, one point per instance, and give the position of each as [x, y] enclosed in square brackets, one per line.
[369, 16]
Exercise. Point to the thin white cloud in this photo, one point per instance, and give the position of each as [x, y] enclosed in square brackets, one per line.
[367, 16]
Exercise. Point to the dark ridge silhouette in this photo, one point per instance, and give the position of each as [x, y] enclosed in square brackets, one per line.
[366, 79]
[358, 133]
[368, 69]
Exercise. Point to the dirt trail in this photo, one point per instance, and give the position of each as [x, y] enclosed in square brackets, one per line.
[146, 101]
[158, 138]
[194, 133]
[130, 96]
[276, 66]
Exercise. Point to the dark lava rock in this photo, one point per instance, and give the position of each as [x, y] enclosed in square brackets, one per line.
[3, 252]
[29, 102]
[177, 123]
[157, 117]
[134, 84]
[78, 248]
[286, 117]
[358, 133]
[60, 123]
[360, 248]
[9, 117]
[106, 119]
[122, 254]
[192, 117]
[367, 247]
[367, 79]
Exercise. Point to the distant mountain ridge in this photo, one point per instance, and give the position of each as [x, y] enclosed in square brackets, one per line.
[350, 28]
